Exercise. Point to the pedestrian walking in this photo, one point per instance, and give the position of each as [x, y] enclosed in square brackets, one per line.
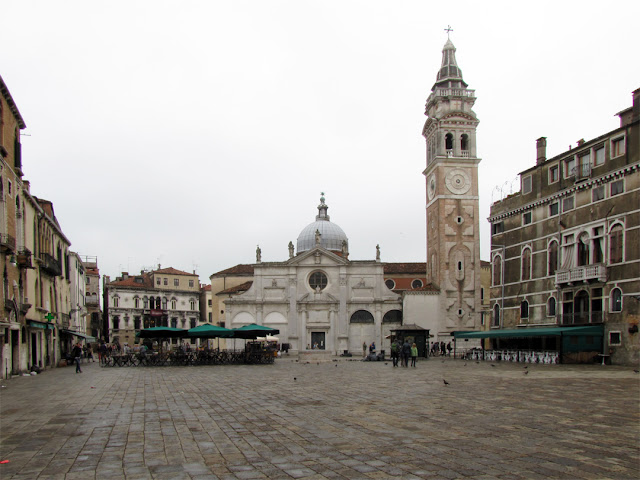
[90, 354]
[449, 348]
[76, 353]
[406, 353]
[364, 349]
[395, 352]
[414, 354]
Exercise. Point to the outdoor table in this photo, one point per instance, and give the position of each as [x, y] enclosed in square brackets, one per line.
[604, 357]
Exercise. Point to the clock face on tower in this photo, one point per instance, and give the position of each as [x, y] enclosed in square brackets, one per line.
[458, 181]
[431, 188]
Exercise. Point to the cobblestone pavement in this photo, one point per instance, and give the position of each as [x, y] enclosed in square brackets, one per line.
[346, 419]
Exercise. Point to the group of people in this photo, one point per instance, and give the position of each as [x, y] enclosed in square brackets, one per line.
[402, 351]
[441, 348]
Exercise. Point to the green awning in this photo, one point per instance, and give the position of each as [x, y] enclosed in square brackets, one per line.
[590, 330]
[88, 338]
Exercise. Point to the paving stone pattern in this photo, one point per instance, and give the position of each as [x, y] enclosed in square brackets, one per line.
[341, 419]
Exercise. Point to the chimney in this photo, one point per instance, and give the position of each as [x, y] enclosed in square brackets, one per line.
[125, 275]
[580, 142]
[541, 147]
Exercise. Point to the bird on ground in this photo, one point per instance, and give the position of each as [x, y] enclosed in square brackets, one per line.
[294, 379]
[526, 366]
[445, 382]
[492, 365]
[477, 361]
[465, 365]
[442, 361]
[636, 371]
[526, 372]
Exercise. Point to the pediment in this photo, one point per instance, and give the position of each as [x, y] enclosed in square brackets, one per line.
[318, 256]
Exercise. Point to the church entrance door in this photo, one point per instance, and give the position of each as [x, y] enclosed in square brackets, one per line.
[317, 340]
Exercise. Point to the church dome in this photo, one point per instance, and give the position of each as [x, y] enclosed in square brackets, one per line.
[331, 235]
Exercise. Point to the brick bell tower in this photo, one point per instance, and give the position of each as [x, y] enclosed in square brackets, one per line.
[453, 233]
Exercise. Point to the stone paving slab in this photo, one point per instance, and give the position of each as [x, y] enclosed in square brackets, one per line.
[331, 420]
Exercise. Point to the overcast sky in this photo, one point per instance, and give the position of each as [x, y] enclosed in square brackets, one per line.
[186, 133]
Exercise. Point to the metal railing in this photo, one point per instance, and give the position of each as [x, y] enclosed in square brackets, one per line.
[582, 274]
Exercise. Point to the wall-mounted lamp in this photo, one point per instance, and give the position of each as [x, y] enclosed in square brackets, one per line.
[12, 260]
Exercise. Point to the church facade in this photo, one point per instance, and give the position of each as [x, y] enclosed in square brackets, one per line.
[319, 299]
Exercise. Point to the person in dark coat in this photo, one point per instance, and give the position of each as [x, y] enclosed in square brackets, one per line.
[406, 353]
[76, 353]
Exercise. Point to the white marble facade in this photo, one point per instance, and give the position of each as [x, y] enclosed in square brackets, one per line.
[319, 299]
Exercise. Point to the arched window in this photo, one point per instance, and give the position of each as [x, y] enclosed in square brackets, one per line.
[526, 264]
[552, 258]
[136, 302]
[392, 316]
[583, 250]
[448, 142]
[164, 303]
[615, 244]
[361, 316]
[464, 142]
[551, 307]
[116, 302]
[524, 309]
[616, 300]
[496, 315]
[497, 270]
[173, 304]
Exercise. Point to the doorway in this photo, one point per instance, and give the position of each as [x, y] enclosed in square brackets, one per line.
[318, 340]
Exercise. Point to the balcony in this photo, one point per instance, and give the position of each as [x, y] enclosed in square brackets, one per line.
[23, 259]
[581, 172]
[582, 274]
[50, 265]
[7, 243]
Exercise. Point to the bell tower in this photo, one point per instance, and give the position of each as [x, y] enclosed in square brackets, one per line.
[453, 236]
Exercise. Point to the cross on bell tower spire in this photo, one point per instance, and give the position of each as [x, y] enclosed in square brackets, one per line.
[448, 29]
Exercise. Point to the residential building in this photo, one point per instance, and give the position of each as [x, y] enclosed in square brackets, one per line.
[163, 297]
[565, 247]
[92, 296]
[34, 264]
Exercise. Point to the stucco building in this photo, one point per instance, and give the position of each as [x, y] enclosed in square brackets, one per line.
[35, 262]
[565, 248]
[163, 297]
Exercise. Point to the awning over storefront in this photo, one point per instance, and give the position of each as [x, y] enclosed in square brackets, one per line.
[43, 325]
[88, 338]
[590, 330]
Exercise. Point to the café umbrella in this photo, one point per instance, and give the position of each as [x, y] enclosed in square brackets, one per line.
[209, 331]
[253, 331]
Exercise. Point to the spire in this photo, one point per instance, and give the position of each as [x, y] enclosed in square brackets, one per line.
[322, 209]
[450, 75]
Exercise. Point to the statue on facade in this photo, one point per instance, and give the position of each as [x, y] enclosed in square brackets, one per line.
[290, 249]
[345, 249]
[378, 253]
[258, 254]
[318, 237]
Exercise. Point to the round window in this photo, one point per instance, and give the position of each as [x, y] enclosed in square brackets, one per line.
[390, 284]
[417, 283]
[318, 281]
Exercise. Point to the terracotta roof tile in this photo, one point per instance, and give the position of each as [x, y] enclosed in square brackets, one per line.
[172, 271]
[241, 269]
[243, 287]
[417, 267]
[138, 281]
